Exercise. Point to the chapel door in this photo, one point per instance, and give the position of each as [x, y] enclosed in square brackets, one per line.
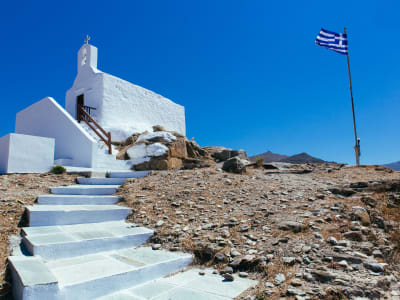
[80, 101]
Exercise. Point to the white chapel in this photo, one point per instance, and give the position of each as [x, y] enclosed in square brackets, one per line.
[120, 106]
[99, 109]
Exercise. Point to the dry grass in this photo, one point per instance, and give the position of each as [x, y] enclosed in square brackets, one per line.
[259, 161]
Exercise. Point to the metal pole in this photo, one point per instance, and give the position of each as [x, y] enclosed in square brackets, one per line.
[357, 142]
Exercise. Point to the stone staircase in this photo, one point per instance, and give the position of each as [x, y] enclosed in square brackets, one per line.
[78, 246]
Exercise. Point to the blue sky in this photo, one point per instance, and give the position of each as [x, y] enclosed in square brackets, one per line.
[248, 72]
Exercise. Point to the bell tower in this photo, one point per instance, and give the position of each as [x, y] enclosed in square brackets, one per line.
[87, 56]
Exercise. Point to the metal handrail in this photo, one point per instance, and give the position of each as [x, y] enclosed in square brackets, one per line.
[84, 116]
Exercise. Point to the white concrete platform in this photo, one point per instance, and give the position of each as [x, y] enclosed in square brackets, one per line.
[101, 181]
[187, 285]
[14, 157]
[47, 215]
[85, 189]
[55, 242]
[114, 172]
[77, 200]
[129, 174]
[91, 276]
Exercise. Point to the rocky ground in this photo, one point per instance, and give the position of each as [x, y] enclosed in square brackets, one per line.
[317, 232]
[312, 232]
[17, 191]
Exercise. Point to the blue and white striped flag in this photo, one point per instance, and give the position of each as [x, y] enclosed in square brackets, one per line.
[332, 40]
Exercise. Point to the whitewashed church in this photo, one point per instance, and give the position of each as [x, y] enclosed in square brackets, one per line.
[99, 109]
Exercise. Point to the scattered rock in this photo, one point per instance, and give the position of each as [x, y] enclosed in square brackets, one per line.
[235, 165]
[359, 185]
[384, 283]
[222, 154]
[342, 191]
[156, 246]
[227, 270]
[289, 260]
[375, 267]
[220, 257]
[323, 276]
[295, 292]
[353, 259]
[279, 279]
[228, 277]
[331, 240]
[292, 226]
[353, 236]
[160, 223]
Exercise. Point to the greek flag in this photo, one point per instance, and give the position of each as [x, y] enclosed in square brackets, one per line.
[332, 40]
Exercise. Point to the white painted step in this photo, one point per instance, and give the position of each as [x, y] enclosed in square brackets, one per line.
[91, 276]
[64, 162]
[187, 285]
[85, 189]
[55, 242]
[108, 161]
[101, 181]
[77, 200]
[129, 174]
[48, 215]
[113, 165]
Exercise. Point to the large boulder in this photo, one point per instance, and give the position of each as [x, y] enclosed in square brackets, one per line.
[195, 151]
[178, 149]
[162, 150]
[235, 165]
[221, 154]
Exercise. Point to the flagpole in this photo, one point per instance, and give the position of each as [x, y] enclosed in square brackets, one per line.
[357, 141]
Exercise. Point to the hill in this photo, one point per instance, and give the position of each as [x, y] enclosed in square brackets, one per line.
[301, 158]
[269, 157]
[394, 166]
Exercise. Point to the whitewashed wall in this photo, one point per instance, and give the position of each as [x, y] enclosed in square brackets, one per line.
[4, 151]
[26, 154]
[128, 108]
[47, 118]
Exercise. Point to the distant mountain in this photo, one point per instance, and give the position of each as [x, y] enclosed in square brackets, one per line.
[301, 158]
[394, 166]
[269, 157]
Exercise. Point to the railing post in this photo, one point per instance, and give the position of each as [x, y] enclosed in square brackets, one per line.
[83, 115]
[109, 143]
